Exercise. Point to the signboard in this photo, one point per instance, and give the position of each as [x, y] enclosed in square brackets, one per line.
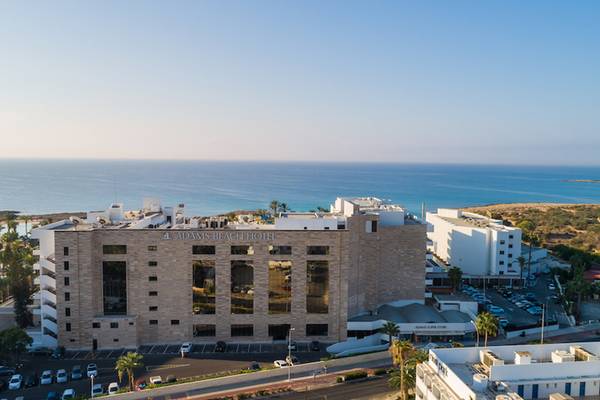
[219, 236]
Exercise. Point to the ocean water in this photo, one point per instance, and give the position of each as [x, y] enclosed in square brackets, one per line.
[209, 187]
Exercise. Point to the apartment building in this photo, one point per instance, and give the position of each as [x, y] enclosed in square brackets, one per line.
[125, 278]
[558, 370]
[479, 245]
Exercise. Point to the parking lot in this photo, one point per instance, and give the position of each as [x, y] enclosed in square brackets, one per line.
[160, 360]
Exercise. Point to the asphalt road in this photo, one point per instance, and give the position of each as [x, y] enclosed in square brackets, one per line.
[347, 391]
[154, 364]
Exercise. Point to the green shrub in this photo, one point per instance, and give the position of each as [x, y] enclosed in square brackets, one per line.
[339, 379]
[350, 376]
[380, 371]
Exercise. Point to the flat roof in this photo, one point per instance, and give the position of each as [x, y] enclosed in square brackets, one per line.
[413, 313]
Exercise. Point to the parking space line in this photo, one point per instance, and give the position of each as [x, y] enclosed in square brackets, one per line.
[75, 355]
[165, 350]
[203, 347]
[151, 348]
[260, 348]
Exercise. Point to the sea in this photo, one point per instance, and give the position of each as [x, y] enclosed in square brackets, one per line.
[212, 187]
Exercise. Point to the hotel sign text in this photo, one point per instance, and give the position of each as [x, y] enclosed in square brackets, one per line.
[219, 236]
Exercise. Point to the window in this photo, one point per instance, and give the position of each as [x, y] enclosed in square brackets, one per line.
[317, 287]
[153, 293]
[317, 250]
[153, 322]
[568, 388]
[67, 296]
[174, 322]
[502, 242]
[581, 389]
[317, 329]
[242, 330]
[280, 287]
[66, 265]
[96, 325]
[114, 249]
[510, 246]
[501, 263]
[279, 332]
[242, 250]
[501, 251]
[114, 325]
[204, 330]
[68, 327]
[67, 312]
[509, 255]
[203, 250]
[153, 308]
[242, 287]
[152, 263]
[511, 237]
[115, 340]
[341, 226]
[114, 283]
[280, 250]
[65, 251]
[370, 226]
[67, 281]
[152, 248]
[203, 287]
[153, 278]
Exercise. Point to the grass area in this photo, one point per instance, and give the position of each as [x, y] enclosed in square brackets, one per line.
[567, 229]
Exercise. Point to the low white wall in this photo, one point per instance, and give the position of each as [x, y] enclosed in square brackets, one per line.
[531, 331]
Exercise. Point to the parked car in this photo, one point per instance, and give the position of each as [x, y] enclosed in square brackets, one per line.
[15, 382]
[171, 379]
[97, 389]
[220, 347]
[185, 348]
[31, 380]
[76, 373]
[68, 394]
[3, 384]
[254, 366]
[113, 388]
[280, 363]
[40, 351]
[156, 380]
[52, 396]
[6, 371]
[141, 385]
[61, 376]
[551, 287]
[495, 309]
[92, 370]
[46, 378]
[315, 345]
[58, 353]
[503, 322]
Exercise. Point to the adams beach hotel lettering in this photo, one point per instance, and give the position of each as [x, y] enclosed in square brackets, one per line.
[219, 236]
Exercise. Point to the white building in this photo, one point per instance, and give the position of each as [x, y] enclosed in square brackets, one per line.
[480, 246]
[510, 372]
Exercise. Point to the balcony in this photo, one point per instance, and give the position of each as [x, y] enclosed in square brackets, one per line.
[47, 281]
[49, 325]
[44, 263]
[49, 310]
[50, 333]
[48, 295]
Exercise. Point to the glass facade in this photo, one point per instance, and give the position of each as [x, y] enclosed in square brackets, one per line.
[242, 287]
[242, 330]
[316, 329]
[242, 250]
[317, 287]
[203, 287]
[280, 287]
[317, 250]
[114, 249]
[203, 250]
[280, 250]
[279, 332]
[114, 285]
[204, 330]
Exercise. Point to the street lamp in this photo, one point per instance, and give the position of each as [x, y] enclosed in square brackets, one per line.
[289, 360]
[476, 330]
[92, 378]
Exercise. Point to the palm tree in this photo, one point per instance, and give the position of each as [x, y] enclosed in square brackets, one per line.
[390, 329]
[283, 207]
[578, 287]
[521, 261]
[401, 351]
[274, 206]
[487, 324]
[455, 276]
[127, 364]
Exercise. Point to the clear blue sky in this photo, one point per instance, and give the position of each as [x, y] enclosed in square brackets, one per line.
[440, 81]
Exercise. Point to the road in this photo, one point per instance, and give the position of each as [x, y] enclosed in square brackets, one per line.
[373, 388]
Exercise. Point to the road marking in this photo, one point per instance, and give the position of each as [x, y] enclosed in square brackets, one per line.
[166, 348]
[151, 348]
[237, 349]
[203, 347]
[75, 355]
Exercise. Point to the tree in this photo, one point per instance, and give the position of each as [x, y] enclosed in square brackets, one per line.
[322, 209]
[455, 276]
[16, 259]
[283, 207]
[14, 342]
[274, 206]
[578, 287]
[406, 357]
[127, 364]
[528, 228]
[487, 325]
[390, 329]
[521, 261]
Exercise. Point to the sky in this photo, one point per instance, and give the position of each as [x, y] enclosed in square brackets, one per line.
[503, 82]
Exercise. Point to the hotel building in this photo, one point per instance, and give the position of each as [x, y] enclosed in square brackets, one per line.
[555, 371]
[123, 279]
[478, 245]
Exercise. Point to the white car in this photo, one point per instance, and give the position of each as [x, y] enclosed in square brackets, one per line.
[280, 363]
[92, 370]
[97, 389]
[68, 394]
[113, 388]
[186, 348]
[46, 378]
[15, 382]
[155, 380]
[61, 376]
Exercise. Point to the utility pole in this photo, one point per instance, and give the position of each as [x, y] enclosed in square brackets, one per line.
[543, 320]
[289, 360]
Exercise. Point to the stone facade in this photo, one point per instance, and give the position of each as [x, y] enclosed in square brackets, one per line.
[365, 270]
